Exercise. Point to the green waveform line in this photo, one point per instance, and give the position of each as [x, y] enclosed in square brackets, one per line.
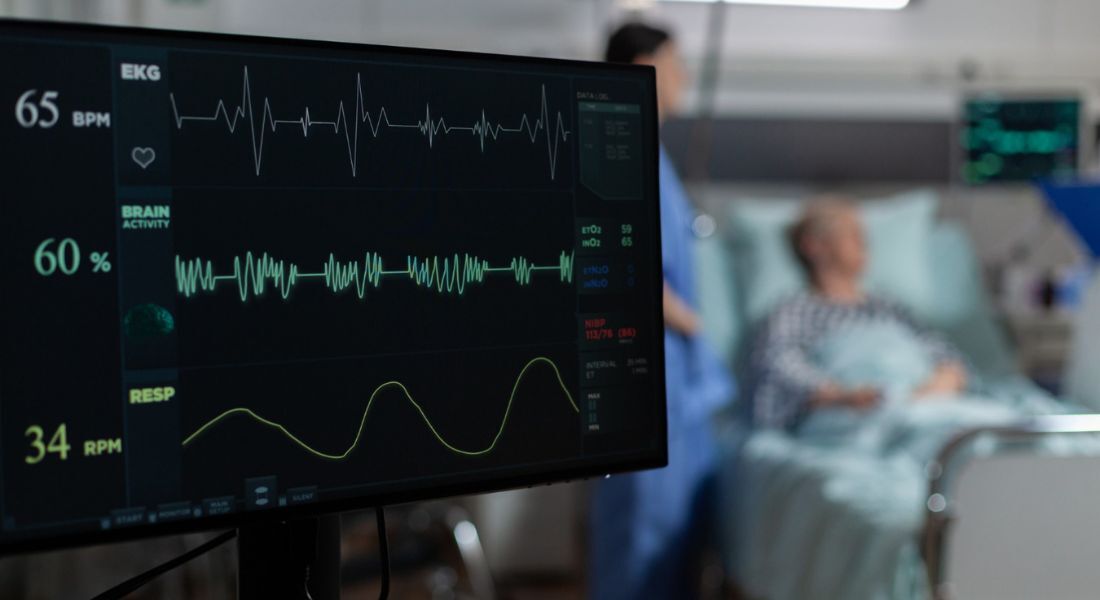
[370, 402]
[253, 274]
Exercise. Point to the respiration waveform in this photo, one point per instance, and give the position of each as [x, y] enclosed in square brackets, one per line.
[254, 274]
[416, 405]
[430, 125]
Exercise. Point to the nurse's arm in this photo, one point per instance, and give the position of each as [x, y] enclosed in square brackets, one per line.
[679, 317]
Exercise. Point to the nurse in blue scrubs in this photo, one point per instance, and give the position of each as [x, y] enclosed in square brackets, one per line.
[647, 527]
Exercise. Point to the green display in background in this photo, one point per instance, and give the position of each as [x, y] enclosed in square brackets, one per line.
[1020, 140]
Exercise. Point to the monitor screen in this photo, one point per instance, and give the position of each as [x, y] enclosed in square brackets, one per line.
[1020, 139]
[251, 278]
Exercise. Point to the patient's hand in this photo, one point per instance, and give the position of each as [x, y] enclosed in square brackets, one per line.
[834, 396]
[679, 317]
[948, 378]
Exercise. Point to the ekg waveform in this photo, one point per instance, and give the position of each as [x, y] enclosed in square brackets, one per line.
[253, 274]
[429, 125]
[408, 396]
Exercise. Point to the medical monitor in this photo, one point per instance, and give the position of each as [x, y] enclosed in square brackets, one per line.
[250, 278]
[1020, 139]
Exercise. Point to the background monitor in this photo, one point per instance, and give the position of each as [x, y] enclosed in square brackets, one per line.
[253, 278]
[1020, 139]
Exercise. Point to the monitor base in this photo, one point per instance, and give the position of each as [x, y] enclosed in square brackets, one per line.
[290, 559]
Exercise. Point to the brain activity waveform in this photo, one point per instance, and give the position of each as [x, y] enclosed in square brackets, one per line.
[253, 274]
[416, 405]
[430, 125]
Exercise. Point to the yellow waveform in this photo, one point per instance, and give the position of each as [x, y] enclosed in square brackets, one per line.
[363, 421]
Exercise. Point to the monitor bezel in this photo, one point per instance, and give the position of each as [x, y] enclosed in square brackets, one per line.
[631, 462]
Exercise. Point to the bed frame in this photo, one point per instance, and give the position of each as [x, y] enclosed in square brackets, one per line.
[942, 503]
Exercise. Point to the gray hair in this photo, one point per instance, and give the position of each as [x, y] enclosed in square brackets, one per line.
[817, 218]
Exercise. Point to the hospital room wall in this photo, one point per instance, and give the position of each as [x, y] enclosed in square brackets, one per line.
[907, 68]
[911, 63]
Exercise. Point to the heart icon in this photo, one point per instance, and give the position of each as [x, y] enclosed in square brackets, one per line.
[143, 156]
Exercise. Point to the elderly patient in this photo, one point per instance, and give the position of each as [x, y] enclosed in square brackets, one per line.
[787, 384]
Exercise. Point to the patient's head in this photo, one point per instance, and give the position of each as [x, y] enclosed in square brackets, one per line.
[828, 241]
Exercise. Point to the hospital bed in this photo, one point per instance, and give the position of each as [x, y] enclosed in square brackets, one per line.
[1000, 514]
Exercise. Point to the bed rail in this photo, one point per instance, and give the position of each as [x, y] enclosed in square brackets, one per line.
[938, 506]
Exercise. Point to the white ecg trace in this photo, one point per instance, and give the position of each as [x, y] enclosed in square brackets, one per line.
[429, 126]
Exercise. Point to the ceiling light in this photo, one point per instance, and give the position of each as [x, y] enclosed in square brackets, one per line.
[865, 4]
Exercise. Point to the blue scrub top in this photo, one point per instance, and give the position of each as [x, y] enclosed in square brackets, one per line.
[645, 524]
[697, 381]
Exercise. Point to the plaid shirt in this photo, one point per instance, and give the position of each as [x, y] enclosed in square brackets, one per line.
[782, 377]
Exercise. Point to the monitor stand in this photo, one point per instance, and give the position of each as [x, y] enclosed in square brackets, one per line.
[289, 559]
